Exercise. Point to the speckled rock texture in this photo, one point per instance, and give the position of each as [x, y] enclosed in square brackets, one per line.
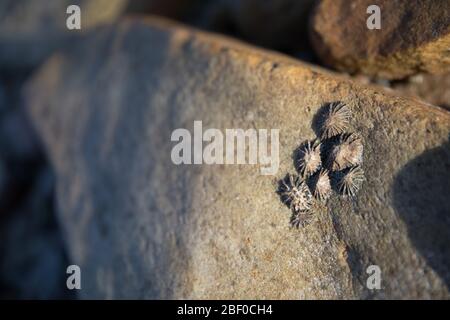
[276, 24]
[414, 37]
[24, 45]
[141, 227]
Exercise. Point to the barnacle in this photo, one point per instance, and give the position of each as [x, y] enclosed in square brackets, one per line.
[334, 120]
[309, 158]
[295, 193]
[350, 181]
[346, 152]
[301, 219]
[321, 185]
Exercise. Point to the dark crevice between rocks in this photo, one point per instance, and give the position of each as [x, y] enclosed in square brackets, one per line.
[358, 265]
[112, 154]
[356, 262]
[319, 117]
[420, 194]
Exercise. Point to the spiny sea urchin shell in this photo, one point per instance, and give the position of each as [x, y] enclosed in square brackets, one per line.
[350, 181]
[321, 185]
[295, 193]
[347, 152]
[335, 120]
[309, 158]
[301, 219]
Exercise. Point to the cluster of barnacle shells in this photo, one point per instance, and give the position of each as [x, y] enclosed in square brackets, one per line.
[332, 162]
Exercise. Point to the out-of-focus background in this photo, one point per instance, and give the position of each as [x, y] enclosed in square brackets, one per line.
[33, 254]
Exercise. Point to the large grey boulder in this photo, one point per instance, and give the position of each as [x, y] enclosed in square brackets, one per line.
[140, 226]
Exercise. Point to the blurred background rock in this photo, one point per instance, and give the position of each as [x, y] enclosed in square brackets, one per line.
[318, 32]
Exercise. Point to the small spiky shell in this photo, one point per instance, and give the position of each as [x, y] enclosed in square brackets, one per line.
[295, 193]
[350, 181]
[347, 152]
[309, 158]
[335, 120]
[322, 185]
[301, 219]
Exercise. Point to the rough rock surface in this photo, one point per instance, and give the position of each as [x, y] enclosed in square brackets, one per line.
[24, 45]
[2, 177]
[141, 227]
[414, 37]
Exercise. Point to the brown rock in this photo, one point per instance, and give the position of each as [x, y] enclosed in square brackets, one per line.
[31, 29]
[414, 37]
[142, 227]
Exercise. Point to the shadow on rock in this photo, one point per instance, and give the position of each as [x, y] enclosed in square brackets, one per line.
[421, 193]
